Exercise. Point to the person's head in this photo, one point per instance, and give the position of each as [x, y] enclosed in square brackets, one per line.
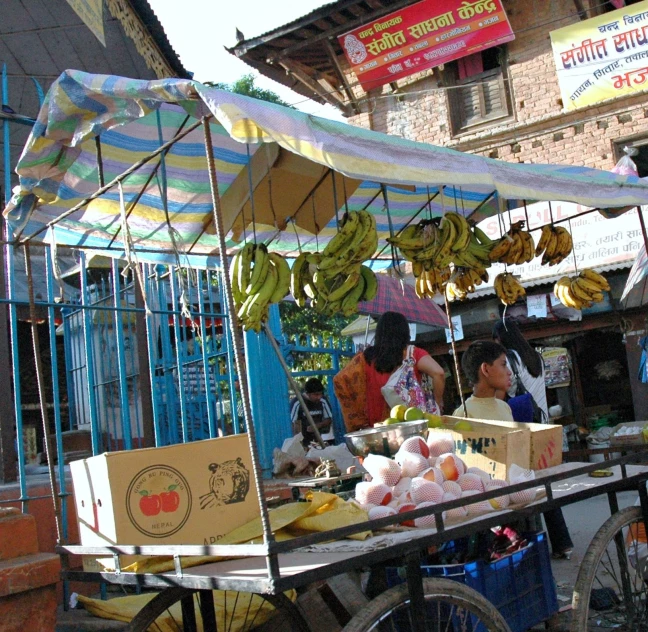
[391, 340]
[314, 389]
[484, 364]
[508, 334]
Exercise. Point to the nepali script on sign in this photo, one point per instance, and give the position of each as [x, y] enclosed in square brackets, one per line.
[602, 58]
[422, 36]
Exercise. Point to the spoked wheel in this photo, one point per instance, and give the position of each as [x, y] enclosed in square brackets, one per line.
[449, 607]
[186, 610]
[610, 591]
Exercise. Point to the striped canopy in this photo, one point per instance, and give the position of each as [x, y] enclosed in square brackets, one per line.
[304, 172]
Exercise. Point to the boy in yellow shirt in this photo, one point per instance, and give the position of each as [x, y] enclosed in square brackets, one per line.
[484, 364]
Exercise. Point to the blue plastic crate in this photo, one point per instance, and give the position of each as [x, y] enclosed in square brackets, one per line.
[520, 585]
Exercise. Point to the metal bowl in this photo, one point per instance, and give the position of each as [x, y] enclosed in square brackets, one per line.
[384, 440]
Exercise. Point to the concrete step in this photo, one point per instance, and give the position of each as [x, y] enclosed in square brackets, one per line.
[18, 536]
[83, 621]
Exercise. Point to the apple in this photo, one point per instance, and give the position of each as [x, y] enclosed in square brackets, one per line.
[425, 491]
[451, 466]
[403, 509]
[415, 445]
[170, 499]
[433, 474]
[150, 505]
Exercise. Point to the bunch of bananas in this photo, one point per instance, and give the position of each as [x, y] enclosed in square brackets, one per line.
[341, 294]
[258, 278]
[335, 279]
[556, 244]
[508, 288]
[582, 290]
[463, 281]
[514, 247]
[429, 282]
[432, 245]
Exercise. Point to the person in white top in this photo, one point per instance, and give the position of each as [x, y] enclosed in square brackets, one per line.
[531, 371]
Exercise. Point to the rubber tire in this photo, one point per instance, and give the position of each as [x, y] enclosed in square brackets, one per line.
[587, 572]
[445, 590]
[170, 596]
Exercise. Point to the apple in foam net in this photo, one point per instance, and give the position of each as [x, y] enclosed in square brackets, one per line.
[451, 466]
[416, 445]
[440, 443]
[411, 464]
[374, 493]
[469, 481]
[499, 502]
[407, 507]
[381, 512]
[483, 506]
[382, 469]
[425, 522]
[433, 474]
[452, 488]
[401, 487]
[425, 491]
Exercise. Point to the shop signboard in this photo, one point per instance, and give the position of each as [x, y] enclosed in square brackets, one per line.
[422, 36]
[603, 57]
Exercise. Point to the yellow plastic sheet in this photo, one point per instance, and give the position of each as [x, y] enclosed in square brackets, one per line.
[322, 512]
[234, 611]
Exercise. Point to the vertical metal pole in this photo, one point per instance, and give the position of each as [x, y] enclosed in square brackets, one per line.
[56, 395]
[88, 343]
[231, 360]
[205, 360]
[178, 326]
[40, 378]
[454, 355]
[6, 138]
[268, 536]
[148, 353]
[127, 431]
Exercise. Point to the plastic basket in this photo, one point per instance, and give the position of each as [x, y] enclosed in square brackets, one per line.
[520, 585]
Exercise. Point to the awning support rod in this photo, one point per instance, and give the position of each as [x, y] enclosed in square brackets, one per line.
[122, 176]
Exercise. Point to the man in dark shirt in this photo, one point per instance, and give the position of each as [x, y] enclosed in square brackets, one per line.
[319, 409]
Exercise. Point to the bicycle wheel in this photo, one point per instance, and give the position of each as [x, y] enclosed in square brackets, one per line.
[449, 606]
[610, 590]
[187, 610]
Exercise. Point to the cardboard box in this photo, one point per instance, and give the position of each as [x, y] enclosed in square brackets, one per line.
[637, 439]
[191, 493]
[545, 447]
[488, 446]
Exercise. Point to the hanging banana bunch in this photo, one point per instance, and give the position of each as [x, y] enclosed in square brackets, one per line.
[581, 290]
[508, 288]
[555, 244]
[430, 282]
[335, 281]
[515, 247]
[463, 282]
[258, 278]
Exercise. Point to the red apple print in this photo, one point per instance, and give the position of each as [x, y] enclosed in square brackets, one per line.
[170, 499]
[150, 505]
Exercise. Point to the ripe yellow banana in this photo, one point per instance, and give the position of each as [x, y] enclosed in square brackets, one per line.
[343, 288]
[260, 269]
[343, 237]
[462, 229]
[296, 285]
[283, 277]
[245, 266]
[501, 248]
[545, 235]
[349, 305]
[595, 277]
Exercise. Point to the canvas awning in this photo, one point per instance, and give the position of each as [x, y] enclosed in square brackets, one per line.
[167, 200]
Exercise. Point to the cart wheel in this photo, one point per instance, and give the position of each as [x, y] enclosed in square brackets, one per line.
[449, 606]
[182, 609]
[610, 592]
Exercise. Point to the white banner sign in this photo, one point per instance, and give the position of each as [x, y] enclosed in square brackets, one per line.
[537, 305]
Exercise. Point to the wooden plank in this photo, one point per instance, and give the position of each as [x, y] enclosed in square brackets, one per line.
[346, 588]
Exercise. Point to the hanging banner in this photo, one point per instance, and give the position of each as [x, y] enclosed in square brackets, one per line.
[457, 327]
[537, 305]
[602, 58]
[91, 12]
[422, 36]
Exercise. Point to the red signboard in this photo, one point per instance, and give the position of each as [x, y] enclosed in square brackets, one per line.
[421, 36]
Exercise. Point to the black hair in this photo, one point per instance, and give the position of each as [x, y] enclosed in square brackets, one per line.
[509, 334]
[392, 338]
[477, 353]
[313, 385]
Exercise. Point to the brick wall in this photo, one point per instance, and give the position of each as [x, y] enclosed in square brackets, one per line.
[538, 131]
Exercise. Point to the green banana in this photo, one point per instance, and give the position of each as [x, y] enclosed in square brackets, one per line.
[345, 287]
[343, 237]
[481, 236]
[349, 304]
[247, 252]
[283, 277]
[260, 269]
[234, 272]
[463, 231]
[371, 283]
[296, 287]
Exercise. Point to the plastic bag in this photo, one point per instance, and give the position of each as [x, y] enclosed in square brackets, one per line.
[626, 166]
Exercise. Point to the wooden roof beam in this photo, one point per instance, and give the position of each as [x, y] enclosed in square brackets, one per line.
[330, 97]
[342, 77]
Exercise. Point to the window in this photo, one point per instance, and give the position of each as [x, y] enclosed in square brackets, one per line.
[478, 93]
[640, 159]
